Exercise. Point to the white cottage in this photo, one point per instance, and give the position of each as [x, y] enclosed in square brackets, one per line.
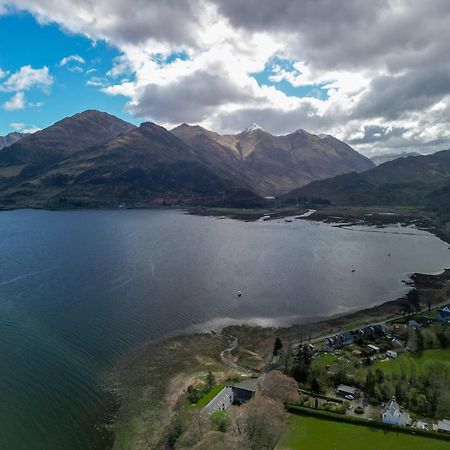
[393, 416]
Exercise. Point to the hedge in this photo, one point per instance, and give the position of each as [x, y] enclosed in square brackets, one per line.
[303, 411]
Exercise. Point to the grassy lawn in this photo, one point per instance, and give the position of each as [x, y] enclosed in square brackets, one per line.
[318, 434]
[326, 360]
[407, 359]
[209, 396]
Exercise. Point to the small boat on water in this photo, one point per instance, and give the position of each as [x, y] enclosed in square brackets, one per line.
[239, 293]
[288, 220]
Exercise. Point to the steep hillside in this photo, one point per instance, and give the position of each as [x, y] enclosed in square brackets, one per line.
[40, 150]
[9, 139]
[273, 164]
[415, 180]
[147, 166]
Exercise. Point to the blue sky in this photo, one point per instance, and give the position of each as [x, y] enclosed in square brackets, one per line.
[352, 69]
[23, 42]
[46, 45]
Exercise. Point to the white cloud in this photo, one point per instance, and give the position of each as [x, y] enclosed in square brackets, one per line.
[3, 73]
[72, 58]
[24, 128]
[17, 126]
[26, 78]
[387, 86]
[17, 101]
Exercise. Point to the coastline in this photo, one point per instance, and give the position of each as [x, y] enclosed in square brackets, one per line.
[150, 383]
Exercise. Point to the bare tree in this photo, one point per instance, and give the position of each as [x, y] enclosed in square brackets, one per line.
[260, 423]
[197, 428]
[279, 387]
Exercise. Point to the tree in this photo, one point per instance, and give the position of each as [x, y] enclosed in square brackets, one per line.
[210, 380]
[318, 377]
[277, 346]
[379, 375]
[220, 420]
[217, 441]
[302, 362]
[400, 391]
[419, 341]
[413, 298]
[196, 429]
[370, 383]
[279, 387]
[259, 423]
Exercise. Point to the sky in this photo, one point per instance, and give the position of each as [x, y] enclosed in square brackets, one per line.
[375, 74]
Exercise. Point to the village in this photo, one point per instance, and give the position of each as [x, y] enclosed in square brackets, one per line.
[369, 375]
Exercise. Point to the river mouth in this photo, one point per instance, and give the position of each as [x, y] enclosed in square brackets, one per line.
[80, 289]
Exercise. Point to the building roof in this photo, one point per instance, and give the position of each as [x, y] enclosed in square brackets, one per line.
[444, 425]
[221, 401]
[393, 408]
[347, 389]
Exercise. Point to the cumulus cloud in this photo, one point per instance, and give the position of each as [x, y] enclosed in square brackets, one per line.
[16, 102]
[26, 78]
[71, 58]
[24, 128]
[384, 68]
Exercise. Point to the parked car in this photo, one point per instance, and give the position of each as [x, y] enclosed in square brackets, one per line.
[349, 397]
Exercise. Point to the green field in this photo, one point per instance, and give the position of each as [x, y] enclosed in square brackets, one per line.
[309, 433]
[407, 359]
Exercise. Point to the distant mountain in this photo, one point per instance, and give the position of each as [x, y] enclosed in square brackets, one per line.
[148, 166]
[415, 180]
[9, 139]
[93, 159]
[272, 164]
[380, 159]
[40, 150]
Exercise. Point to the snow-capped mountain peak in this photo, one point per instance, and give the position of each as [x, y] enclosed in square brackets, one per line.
[253, 127]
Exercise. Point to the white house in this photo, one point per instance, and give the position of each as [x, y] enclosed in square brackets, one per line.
[393, 416]
[444, 425]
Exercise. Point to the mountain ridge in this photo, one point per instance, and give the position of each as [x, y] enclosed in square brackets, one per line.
[11, 138]
[94, 159]
[273, 164]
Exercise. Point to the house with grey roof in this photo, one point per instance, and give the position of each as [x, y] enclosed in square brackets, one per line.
[393, 415]
[229, 395]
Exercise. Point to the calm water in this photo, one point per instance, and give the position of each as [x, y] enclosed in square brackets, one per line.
[78, 289]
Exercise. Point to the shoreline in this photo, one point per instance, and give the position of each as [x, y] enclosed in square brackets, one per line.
[149, 382]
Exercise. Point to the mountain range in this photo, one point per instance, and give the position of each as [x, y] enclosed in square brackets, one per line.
[94, 159]
[422, 181]
[271, 165]
[380, 159]
[10, 138]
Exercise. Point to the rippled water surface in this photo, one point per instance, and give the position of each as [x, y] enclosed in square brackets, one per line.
[78, 289]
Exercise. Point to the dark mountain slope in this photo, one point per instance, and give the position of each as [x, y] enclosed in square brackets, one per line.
[415, 180]
[273, 164]
[9, 139]
[147, 166]
[46, 147]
